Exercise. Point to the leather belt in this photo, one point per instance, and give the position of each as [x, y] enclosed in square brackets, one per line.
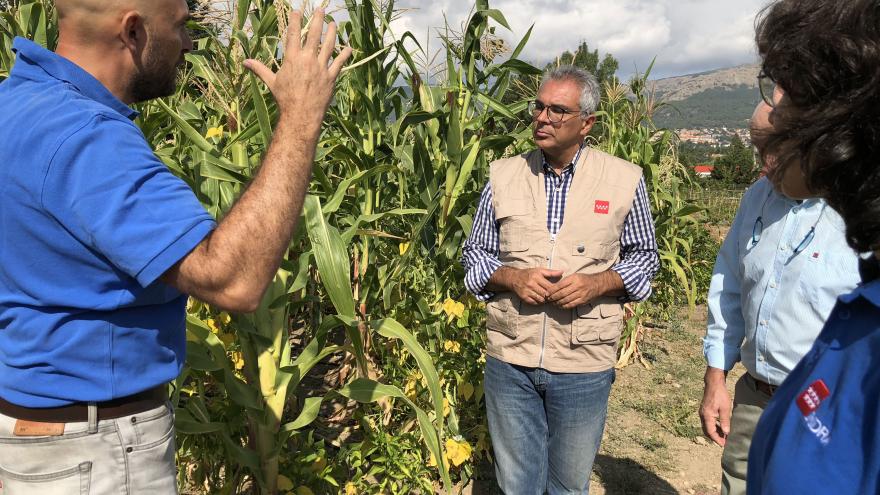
[764, 387]
[79, 411]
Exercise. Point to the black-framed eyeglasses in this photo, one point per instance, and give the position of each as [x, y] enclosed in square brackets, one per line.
[555, 113]
[767, 87]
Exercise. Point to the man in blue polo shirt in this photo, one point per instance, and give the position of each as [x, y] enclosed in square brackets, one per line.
[100, 243]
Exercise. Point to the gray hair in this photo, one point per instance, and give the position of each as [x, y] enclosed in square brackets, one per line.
[589, 100]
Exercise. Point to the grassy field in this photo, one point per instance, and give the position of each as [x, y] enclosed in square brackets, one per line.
[653, 442]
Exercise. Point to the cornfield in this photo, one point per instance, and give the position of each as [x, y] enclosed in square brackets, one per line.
[361, 371]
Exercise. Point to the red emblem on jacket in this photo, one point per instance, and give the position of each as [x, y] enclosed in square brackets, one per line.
[602, 207]
[810, 399]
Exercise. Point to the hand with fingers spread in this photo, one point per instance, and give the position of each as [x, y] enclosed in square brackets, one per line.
[715, 410]
[303, 86]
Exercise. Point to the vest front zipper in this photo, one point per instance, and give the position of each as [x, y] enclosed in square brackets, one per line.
[544, 324]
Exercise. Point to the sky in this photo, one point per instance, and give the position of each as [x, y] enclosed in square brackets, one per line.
[685, 36]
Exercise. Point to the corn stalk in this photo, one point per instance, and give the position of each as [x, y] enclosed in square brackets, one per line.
[625, 129]
[401, 162]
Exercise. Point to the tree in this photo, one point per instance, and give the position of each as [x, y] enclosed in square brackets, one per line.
[693, 154]
[604, 70]
[526, 87]
[736, 168]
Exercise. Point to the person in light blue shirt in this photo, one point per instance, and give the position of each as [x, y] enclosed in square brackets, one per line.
[776, 278]
[820, 434]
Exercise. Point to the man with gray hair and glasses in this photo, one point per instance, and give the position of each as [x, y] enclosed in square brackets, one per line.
[562, 237]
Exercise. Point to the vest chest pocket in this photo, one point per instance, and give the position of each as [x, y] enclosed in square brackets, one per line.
[514, 216]
[500, 317]
[596, 324]
[595, 250]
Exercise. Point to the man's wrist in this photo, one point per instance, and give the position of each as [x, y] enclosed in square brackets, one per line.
[501, 279]
[610, 283]
[715, 376]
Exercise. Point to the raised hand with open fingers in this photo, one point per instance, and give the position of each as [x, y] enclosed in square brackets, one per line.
[303, 85]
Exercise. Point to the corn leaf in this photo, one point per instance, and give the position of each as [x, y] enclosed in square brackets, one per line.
[332, 257]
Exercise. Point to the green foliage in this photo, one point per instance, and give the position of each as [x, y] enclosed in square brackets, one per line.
[625, 129]
[737, 167]
[32, 19]
[728, 107]
[525, 87]
[604, 69]
[693, 154]
[720, 203]
[699, 258]
[386, 461]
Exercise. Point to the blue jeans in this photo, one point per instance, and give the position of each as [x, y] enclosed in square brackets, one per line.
[545, 427]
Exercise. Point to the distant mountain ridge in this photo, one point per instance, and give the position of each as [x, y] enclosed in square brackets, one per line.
[712, 99]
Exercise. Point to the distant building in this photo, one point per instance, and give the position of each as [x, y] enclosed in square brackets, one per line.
[713, 136]
[697, 136]
[703, 171]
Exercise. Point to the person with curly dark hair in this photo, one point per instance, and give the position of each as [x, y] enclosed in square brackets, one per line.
[821, 431]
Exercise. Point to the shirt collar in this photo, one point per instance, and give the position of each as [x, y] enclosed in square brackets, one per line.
[39, 64]
[568, 168]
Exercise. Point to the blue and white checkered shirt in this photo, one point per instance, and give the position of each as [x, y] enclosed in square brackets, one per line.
[638, 247]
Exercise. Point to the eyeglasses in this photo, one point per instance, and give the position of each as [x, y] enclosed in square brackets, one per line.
[555, 113]
[767, 87]
[758, 229]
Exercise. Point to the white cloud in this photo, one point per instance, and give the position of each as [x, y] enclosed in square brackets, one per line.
[685, 35]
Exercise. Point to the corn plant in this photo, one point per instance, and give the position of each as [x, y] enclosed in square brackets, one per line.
[625, 129]
[372, 279]
[213, 134]
[32, 19]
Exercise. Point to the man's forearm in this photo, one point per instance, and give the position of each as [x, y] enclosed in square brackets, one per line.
[607, 283]
[610, 283]
[501, 280]
[237, 262]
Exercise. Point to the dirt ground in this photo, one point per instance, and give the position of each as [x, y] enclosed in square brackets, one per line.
[653, 442]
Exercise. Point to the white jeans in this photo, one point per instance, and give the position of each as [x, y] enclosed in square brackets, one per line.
[128, 455]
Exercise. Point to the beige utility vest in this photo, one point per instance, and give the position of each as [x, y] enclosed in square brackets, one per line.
[579, 340]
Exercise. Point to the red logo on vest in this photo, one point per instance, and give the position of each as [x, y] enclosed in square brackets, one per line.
[810, 399]
[602, 207]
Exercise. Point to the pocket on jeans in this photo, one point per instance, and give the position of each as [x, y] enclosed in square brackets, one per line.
[67, 481]
[153, 427]
[152, 468]
[151, 461]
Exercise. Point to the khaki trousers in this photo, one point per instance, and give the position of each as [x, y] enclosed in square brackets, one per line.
[128, 455]
[748, 404]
